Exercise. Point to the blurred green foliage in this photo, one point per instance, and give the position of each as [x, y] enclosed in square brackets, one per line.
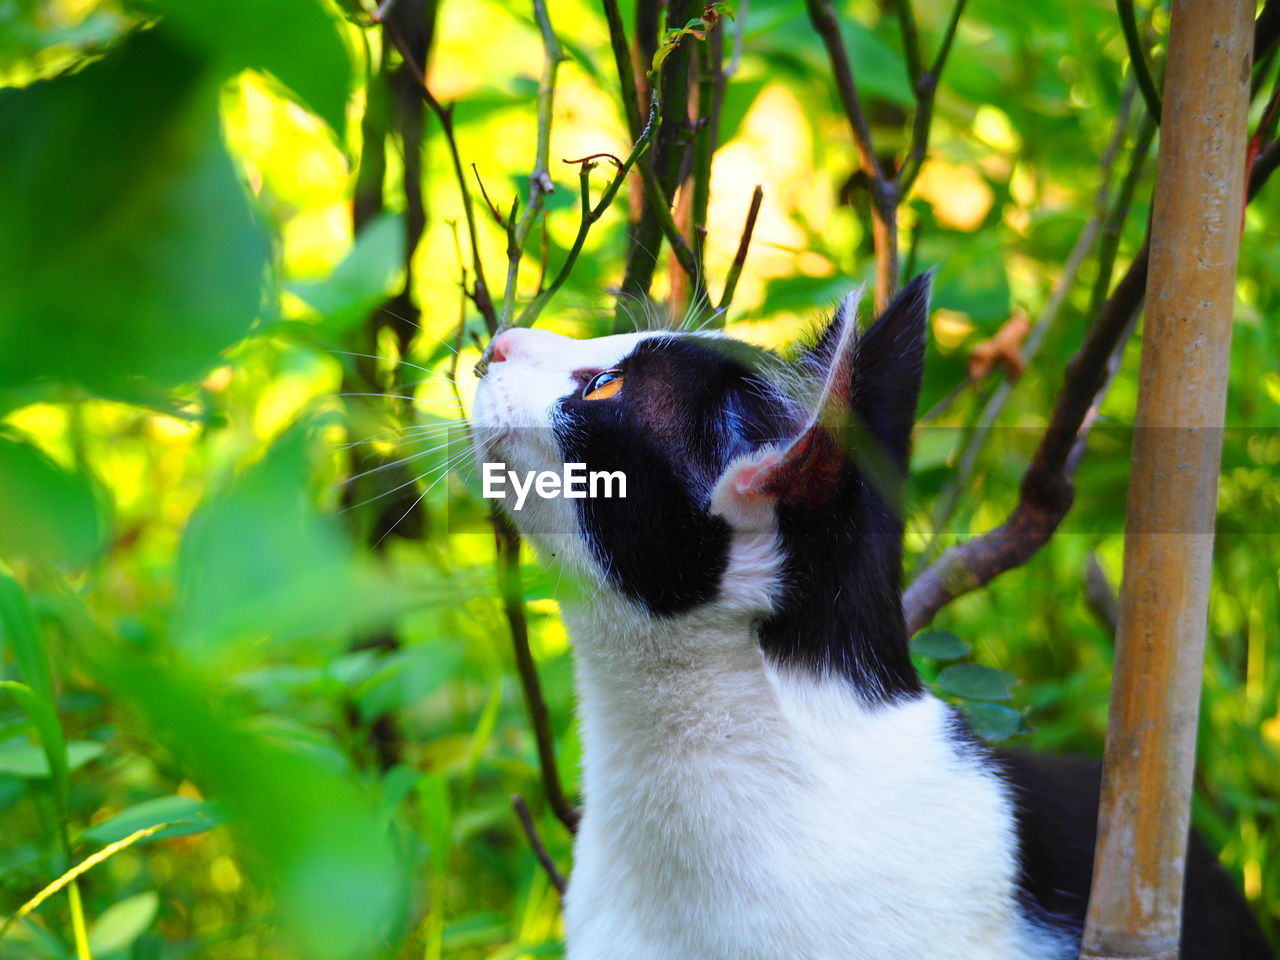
[326, 724]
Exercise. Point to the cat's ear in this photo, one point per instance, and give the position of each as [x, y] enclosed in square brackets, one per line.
[888, 366]
[869, 385]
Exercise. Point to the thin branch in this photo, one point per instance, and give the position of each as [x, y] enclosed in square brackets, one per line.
[484, 194]
[1120, 213]
[884, 196]
[823, 16]
[1138, 59]
[910, 40]
[588, 218]
[535, 841]
[660, 209]
[661, 170]
[926, 89]
[995, 404]
[740, 258]
[1046, 491]
[540, 183]
[622, 61]
[480, 292]
[508, 547]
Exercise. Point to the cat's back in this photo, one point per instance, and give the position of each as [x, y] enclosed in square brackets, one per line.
[1056, 804]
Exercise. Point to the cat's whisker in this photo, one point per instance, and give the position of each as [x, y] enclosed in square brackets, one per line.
[445, 468]
[422, 496]
[450, 404]
[373, 356]
[411, 431]
[395, 463]
[423, 331]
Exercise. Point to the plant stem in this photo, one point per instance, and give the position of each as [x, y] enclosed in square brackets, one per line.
[739, 258]
[1138, 59]
[540, 183]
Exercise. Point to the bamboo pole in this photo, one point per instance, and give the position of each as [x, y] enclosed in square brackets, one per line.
[1135, 906]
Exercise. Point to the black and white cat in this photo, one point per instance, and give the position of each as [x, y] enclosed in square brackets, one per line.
[764, 775]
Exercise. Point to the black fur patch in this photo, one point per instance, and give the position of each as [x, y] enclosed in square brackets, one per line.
[843, 609]
[689, 406]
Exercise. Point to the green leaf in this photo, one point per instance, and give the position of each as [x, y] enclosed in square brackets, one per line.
[52, 742]
[973, 681]
[800, 293]
[437, 817]
[46, 512]
[993, 721]
[362, 280]
[296, 40]
[123, 922]
[22, 759]
[186, 814]
[298, 577]
[128, 254]
[939, 645]
[315, 836]
[18, 627]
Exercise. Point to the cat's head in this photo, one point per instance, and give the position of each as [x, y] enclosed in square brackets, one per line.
[734, 457]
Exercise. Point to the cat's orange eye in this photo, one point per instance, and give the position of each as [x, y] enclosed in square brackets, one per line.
[603, 386]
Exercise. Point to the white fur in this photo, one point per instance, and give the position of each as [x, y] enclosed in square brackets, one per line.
[735, 811]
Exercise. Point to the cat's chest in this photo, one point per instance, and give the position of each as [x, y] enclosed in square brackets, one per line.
[802, 827]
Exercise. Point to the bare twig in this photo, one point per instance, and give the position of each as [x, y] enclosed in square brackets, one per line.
[661, 170]
[1046, 491]
[995, 404]
[535, 841]
[740, 258]
[1120, 213]
[884, 200]
[508, 547]
[1138, 58]
[622, 61]
[823, 16]
[887, 189]
[590, 214]
[926, 89]
[660, 211]
[484, 194]
[480, 291]
[540, 183]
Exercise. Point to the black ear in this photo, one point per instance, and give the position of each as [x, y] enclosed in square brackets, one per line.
[887, 366]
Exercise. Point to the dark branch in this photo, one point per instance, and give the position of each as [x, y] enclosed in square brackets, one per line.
[535, 841]
[508, 545]
[1046, 492]
[661, 170]
[1138, 58]
[740, 258]
[926, 90]
[480, 291]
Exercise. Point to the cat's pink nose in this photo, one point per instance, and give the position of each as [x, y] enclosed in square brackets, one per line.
[503, 347]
